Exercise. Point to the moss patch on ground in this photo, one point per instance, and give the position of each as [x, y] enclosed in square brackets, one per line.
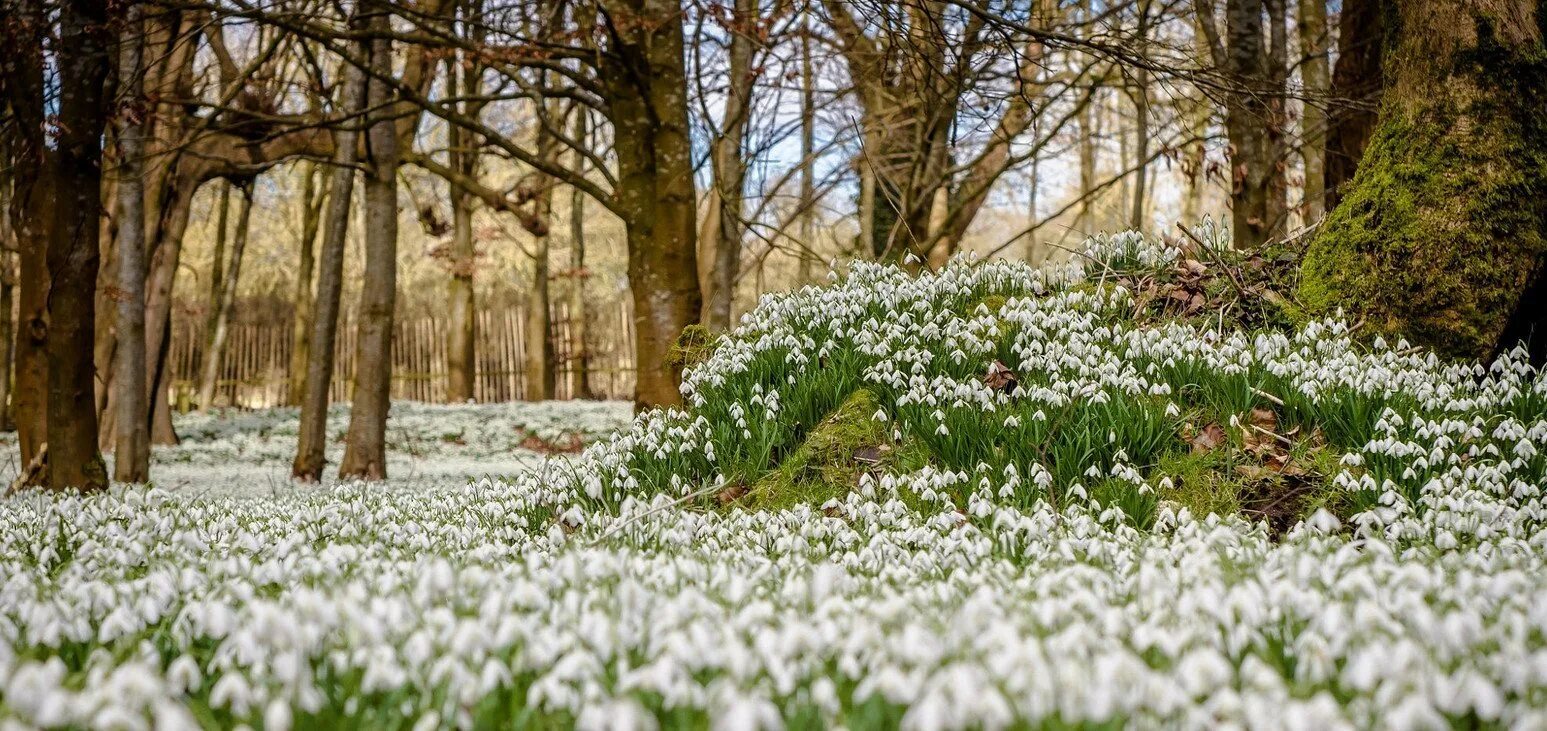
[828, 464]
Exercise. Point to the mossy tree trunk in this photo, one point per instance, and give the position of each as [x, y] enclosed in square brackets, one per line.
[1442, 234]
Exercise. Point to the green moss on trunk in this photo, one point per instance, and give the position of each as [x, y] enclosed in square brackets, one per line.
[1444, 228]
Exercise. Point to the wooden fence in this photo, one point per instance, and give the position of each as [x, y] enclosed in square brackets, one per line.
[255, 367]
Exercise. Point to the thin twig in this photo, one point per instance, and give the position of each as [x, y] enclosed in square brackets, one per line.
[679, 501]
[1268, 396]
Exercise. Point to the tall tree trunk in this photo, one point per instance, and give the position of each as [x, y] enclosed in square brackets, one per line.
[1088, 130]
[7, 276]
[807, 155]
[538, 350]
[1033, 185]
[311, 446]
[131, 444]
[1313, 118]
[1356, 91]
[1141, 131]
[579, 351]
[866, 209]
[22, 24]
[217, 267]
[313, 197]
[365, 450]
[1277, 78]
[1442, 235]
[173, 218]
[74, 247]
[225, 300]
[461, 345]
[730, 166]
[1247, 117]
[646, 87]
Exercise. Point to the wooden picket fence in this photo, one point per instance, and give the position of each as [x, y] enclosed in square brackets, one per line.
[255, 366]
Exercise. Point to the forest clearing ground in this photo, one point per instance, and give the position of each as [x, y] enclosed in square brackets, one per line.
[236, 453]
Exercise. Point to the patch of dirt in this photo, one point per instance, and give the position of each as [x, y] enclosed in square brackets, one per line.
[567, 444]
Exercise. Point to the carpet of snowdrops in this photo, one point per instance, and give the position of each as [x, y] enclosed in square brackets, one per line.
[237, 453]
[1035, 573]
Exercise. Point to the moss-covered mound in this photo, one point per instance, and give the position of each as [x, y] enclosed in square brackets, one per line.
[1142, 378]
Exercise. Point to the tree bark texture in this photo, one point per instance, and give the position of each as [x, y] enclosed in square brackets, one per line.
[313, 198]
[1442, 234]
[224, 300]
[74, 247]
[131, 443]
[729, 165]
[365, 453]
[1316, 81]
[23, 23]
[644, 80]
[1357, 80]
[311, 446]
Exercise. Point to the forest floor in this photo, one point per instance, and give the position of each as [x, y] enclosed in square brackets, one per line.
[235, 453]
[1137, 489]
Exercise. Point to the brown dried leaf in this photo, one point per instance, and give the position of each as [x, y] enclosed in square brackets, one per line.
[1000, 378]
[1264, 418]
[1208, 438]
[870, 455]
[730, 494]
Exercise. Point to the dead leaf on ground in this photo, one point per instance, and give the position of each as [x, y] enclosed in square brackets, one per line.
[871, 455]
[1208, 438]
[1264, 418]
[1001, 378]
[730, 494]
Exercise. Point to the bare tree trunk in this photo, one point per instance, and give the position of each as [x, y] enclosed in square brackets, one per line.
[217, 267]
[74, 248]
[1313, 117]
[1141, 136]
[313, 197]
[579, 352]
[1089, 129]
[365, 450]
[310, 457]
[730, 167]
[1247, 118]
[158, 305]
[7, 278]
[1033, 216]
[540, 373]
[867, 209]
[461, 345]
[131, 444]
[7, 334]
[807, 153]
[21, 25]
[225, 299]
[646, 88]
[1277, 122]
[1356, 92]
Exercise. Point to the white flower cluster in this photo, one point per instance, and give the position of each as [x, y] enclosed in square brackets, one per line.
[1008, 583]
